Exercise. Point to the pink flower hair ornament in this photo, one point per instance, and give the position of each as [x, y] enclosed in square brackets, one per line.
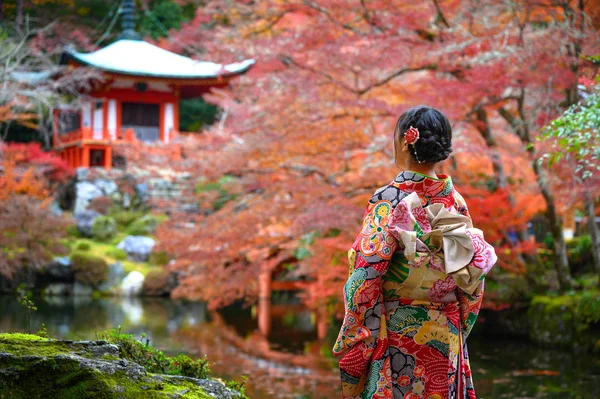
[412, 135]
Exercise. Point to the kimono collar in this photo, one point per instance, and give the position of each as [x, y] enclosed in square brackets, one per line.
[425, 186]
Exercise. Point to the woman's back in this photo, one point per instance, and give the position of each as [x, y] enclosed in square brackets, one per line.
[416, 282]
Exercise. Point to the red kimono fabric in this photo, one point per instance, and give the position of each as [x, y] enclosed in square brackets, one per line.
[414, 291]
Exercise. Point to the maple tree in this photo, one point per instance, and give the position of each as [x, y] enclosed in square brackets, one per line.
[31, 233]
[575, 139]
[307, 134]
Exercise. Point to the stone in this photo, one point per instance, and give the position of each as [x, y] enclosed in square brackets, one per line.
[141, 191]
[55, 209]
[132, 284]
[138, 248]
[58, 289]
[107, 186]
[31, 366]
[126, 200]
[82, 290]
[85, 220]
[85, 192]
[60, 269]
[116, 273]
[81, 174]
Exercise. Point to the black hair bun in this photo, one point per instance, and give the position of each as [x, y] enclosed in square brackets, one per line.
[435, 134]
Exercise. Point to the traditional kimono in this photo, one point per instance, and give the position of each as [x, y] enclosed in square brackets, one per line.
[415, 288]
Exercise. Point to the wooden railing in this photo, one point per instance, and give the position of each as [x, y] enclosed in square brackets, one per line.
[86, 133]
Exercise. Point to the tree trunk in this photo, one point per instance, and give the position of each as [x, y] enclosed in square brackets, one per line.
[561, 262]
[20, 13]
[500, 179]
[1, 10]
[593, 229]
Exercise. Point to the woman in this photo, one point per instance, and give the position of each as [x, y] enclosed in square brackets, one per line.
[416, 277]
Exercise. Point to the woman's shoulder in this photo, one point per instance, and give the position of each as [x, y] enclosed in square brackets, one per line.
[389, 193]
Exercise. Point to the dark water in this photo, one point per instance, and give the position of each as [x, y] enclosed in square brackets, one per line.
[292, 363]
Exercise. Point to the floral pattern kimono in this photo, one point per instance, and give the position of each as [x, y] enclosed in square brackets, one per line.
[414, 291]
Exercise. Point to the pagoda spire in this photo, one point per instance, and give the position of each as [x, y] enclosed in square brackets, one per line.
[127, 21]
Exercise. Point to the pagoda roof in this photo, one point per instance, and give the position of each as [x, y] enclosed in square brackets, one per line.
[140, 58]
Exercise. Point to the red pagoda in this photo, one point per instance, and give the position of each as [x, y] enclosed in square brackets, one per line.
[137, 99]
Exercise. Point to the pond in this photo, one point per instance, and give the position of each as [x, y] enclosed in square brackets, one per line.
[292, 362]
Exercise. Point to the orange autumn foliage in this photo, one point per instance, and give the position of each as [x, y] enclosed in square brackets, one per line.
[306, 135]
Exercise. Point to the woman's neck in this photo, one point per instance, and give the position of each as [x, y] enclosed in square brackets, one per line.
[427, 169]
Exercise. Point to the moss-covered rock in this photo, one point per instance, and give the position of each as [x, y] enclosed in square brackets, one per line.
[144, 226]
[566, 321]
[104, 228]
[159, 282]
[32, 367]
[88, 269]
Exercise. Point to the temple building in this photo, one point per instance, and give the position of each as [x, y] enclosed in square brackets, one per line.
[136, 99]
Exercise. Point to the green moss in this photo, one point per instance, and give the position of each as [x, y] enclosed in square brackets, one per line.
[104, 228]
[144, 226]
[89, 269]
[64, 378]
[21, 337]
[33, 369]
[116, 253]
[566, 321]
[160, 258]
[83, 246]
[21, 345]
[152, 359]
[125, 218]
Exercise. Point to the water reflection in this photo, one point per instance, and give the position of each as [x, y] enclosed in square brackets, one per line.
[290, 363]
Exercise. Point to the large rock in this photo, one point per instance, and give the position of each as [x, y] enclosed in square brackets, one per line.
[37, 368]
[58, 289]
[133, 284]
[60, 269]
[116, 273]
[138, 248]
[108, 187]
[85, 192]
[568, 321]
[85, 221]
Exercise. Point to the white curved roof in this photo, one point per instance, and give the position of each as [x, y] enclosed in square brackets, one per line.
[137, 57]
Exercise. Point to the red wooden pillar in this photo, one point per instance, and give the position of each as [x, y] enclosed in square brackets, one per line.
[85, 161]
[161, 122]
[105, 131]
[79, 157]
[119, 118]
[264, 302]
[108, 157]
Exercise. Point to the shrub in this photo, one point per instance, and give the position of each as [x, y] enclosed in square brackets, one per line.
[153, 360]
[124, 218]
[146, 225]
[83, 246]
[579, 251]
[104, 228]
[158, 282]
[160, 258]
[30, 234]
[116, 253]
[89, 269]
[73, 231]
